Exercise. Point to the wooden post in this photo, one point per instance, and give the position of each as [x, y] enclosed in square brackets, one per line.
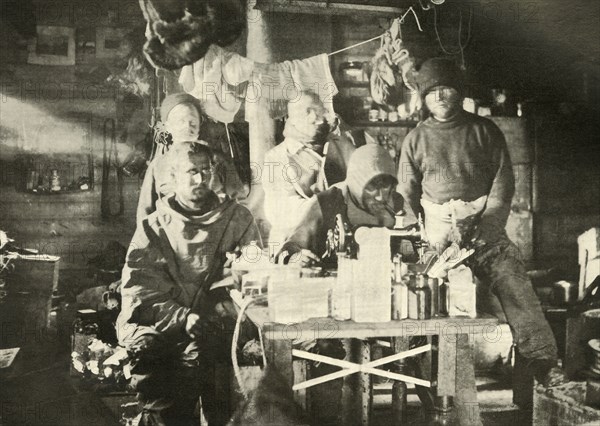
[301, 396]
[261, 126]
[279, 356]
[446, 365]
[350, 384]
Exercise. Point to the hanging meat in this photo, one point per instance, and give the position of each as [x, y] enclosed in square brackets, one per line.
[179, 32]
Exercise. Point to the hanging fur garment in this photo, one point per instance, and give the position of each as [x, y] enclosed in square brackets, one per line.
[393, 76]
[179, 32]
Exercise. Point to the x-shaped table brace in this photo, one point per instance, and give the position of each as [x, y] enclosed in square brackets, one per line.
[351, 368]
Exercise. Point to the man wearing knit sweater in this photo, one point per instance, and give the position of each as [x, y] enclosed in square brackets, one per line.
[455, 170]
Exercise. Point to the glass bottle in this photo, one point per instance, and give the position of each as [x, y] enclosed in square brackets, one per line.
[54, 181]
[399, 291]
[423, 298]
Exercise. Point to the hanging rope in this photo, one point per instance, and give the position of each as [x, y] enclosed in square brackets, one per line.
[229, 141]
[461, 46]
[410, 10]
[355, 45]
[234, 343]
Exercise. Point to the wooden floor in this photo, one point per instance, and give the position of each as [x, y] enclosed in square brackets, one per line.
[44, 395]
[48, 397]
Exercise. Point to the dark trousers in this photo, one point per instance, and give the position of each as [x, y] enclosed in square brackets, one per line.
[170, 379]
[499, 267]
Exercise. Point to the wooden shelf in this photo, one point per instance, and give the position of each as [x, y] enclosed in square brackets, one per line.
[326, 8]
[61, 192]
[401, 123]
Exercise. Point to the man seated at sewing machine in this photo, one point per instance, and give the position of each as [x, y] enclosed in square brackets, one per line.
[367, 197]
[455, 169]
[174, 328]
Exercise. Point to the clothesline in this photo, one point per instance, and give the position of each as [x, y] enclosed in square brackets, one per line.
[410, 9]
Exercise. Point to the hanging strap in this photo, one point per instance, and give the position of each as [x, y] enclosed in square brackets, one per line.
[229, 141]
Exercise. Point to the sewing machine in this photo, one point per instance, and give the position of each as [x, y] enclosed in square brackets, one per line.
[341, 239]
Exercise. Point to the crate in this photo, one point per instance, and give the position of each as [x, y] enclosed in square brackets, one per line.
[34, 278]
[563, 406]
[24, 311]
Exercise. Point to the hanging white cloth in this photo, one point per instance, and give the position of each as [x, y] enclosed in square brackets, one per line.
[219, 81]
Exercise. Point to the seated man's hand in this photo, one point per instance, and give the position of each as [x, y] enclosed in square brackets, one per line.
[483, 234]
[318, 186]
[193, 326]
[304, 258]
[294, 255]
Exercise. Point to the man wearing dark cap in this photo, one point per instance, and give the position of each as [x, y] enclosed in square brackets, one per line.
[455, 169]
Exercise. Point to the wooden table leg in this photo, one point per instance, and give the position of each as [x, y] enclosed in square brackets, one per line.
[467, 407]
[302, 397]
[279, 356]
[446, 366]
[349, 412]
[399, 344]
[366, 385]
[446, 377]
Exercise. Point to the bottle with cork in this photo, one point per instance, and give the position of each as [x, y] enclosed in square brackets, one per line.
[54, 181]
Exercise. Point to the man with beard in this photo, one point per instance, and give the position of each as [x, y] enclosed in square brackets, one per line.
[310, 158]
[455, 169]
[182, 119]
[176, 331]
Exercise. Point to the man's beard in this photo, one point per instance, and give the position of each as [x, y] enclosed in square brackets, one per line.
[318, 139]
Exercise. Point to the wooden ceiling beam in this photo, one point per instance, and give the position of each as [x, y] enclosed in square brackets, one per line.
[325, 8]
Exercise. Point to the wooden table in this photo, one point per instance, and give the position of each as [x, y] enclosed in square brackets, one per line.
[454, 378]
